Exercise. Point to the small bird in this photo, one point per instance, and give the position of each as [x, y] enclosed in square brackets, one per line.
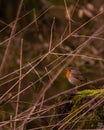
[75, 77]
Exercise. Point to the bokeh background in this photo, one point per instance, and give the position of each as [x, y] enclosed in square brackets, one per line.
[45, 25]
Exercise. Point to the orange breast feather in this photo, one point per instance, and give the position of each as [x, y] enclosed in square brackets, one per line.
[68, 74]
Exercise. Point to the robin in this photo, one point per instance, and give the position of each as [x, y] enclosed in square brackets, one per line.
[75, 77]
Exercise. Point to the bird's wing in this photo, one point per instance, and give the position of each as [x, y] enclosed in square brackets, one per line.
[80, 76]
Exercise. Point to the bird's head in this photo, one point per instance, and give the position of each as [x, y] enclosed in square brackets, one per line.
[68, 71]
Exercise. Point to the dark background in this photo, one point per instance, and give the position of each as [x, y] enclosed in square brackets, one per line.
[36, 39]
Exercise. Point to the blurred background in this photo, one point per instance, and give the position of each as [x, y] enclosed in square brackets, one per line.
[44, 25]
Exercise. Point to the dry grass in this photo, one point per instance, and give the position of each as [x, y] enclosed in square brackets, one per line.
[31, 88]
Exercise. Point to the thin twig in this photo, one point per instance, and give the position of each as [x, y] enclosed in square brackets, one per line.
[36, 72]
[50, 43]
[8, 25]
[68, 13]
[19, 87]
[26, 27]
[11, 125]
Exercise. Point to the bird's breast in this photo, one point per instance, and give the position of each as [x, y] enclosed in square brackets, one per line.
[74, 80]
[68, 73]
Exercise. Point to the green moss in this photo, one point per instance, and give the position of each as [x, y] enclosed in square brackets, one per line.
[81, 113]
[91, 92]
